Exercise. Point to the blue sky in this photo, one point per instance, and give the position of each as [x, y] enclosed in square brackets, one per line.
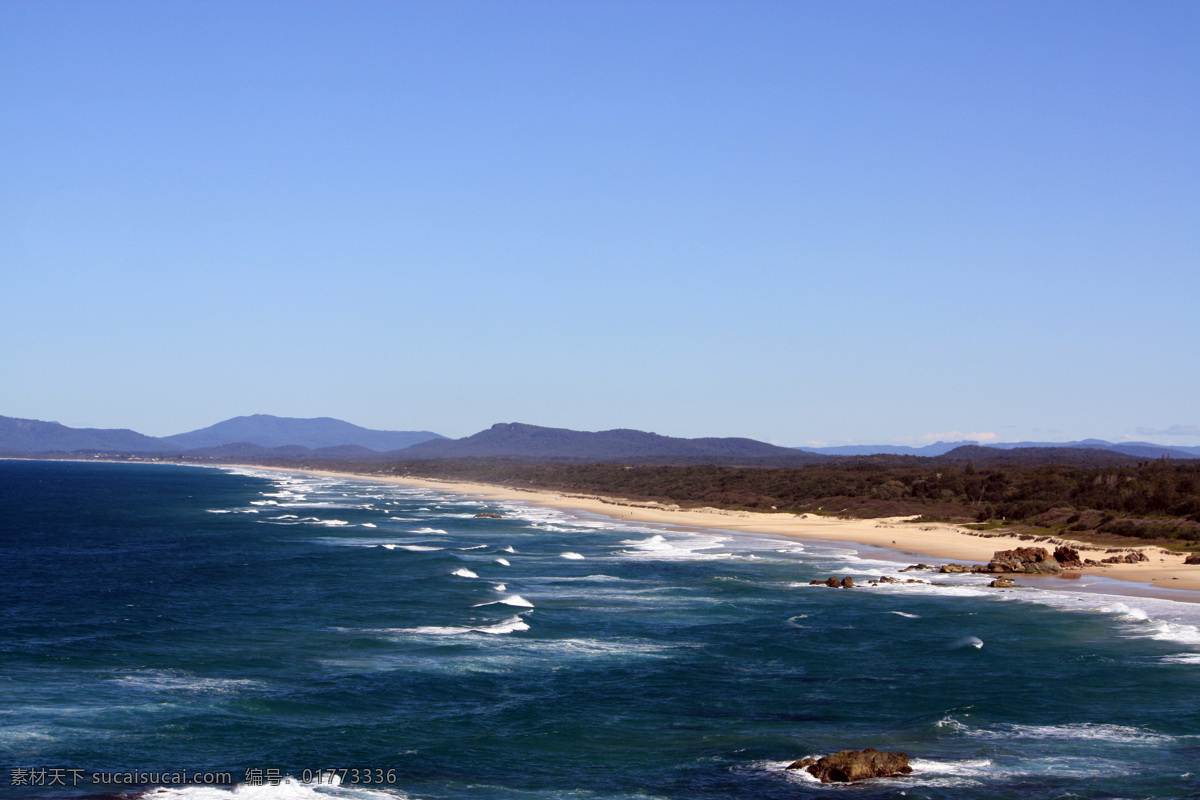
[801, 222]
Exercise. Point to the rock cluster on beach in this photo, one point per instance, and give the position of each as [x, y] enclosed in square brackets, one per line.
[1064, 561]
[848, 582]
[855, 765]
[1194, 558]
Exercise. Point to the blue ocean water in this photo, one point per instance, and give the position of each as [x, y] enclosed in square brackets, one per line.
[265, 628]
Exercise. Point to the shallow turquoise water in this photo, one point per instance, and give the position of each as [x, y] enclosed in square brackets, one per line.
[159, 618]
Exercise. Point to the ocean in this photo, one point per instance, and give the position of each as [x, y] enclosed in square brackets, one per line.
[172, 632]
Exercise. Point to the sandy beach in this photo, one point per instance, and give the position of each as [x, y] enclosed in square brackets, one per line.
[1164, 570]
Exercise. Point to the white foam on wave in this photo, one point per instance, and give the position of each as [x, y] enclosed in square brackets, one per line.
[509, 549]
[503, 561]
[683, 548]
[463, 572]
[511, 600]
[429, 530]
[413, 548]
[1081, 731]
[571, 556]
[510, 625]
[287, 789]
[905, 614]
[500, 587]
[369, 525]
[1127, 612]
[968, 641]
[171, 681]
[1181, 658]
[473, 547]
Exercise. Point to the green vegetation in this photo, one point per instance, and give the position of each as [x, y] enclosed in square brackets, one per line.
[1154, 500]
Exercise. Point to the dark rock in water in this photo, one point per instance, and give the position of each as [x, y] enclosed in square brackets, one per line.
[947, 568]
[916, 566]
[847, 582]
[1032, 560]
[833, 583]
[1001, 583]
[858, 765]
[1194, 558]
[488, 514]
[802, 763]
[1068, 557]
[1129, 558]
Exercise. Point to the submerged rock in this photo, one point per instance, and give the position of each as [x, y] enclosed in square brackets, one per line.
[855, 765]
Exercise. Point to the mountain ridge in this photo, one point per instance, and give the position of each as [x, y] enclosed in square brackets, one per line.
[267, 430]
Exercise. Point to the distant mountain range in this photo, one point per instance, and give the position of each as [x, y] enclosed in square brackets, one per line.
[266, 438]
[268, 431]
[244, 434]
[559, 444]
[1137, 449]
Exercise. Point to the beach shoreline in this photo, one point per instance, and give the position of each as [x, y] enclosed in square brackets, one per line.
[1163, 576]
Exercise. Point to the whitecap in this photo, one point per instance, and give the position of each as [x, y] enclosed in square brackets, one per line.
[500, 587]
[287, 789]
[369, 525]
[571, 556]
[905, 614]
[510, 625]
[463, 572]
[429, 530]
[503, 561]
[511, 600]
[473, 547]
[1082, 731]
[509, 549]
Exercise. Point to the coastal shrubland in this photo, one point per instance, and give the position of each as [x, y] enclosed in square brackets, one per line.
[1146, 501]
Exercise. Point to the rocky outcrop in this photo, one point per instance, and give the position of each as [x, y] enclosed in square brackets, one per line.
[855, 765]
[1029, 560]
[488, 514]
[1002, 583]
[834, 582]
[949, 568]
[1194, 558]
[1068, 557]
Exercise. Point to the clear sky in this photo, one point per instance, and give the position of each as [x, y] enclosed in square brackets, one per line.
[834, 222]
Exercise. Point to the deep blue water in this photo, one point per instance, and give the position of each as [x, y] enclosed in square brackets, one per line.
[164, 618]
